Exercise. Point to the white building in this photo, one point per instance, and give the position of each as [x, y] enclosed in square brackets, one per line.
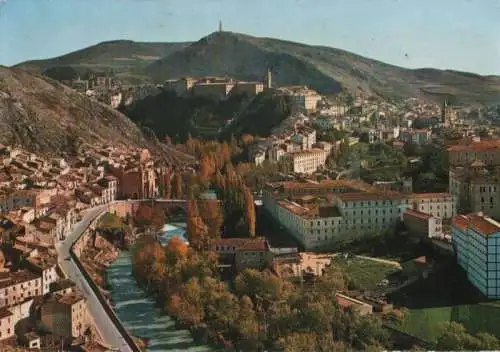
[320, 215]
[306, 162]
[476, 238]
[440, 205]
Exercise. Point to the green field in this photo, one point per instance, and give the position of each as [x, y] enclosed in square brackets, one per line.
[364, 273]
[425, 323]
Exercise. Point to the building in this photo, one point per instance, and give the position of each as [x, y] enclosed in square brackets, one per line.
[18, 286]
[66, 315]
[422, 225]
[46, 267]
[475, 239]
[6, 324]
[305, 137]
[305, 162]
[244, 253]
[439, 205]
[319, 215]
[486, 151]
[476, 188]
[302, 98]
[416, 136]
[254, 254]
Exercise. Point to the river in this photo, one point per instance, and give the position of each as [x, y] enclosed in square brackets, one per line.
[139, 313]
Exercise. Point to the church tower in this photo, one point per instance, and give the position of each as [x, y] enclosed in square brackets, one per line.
[444, 111]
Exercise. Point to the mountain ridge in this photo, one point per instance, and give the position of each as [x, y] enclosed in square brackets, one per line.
[329, 70]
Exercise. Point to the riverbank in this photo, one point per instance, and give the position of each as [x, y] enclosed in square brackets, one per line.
[96, 259]
[139, 313]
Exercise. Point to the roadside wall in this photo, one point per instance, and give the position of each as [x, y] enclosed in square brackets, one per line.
[76, 250]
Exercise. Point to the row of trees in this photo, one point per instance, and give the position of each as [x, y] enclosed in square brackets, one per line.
[262, 311]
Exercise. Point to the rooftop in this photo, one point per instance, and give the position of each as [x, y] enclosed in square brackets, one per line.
[417, 214]
[484, 225]
[474, 146]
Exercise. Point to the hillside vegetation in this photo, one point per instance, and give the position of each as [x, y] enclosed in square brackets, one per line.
[178, 117]
[244, 57]
[122, 57]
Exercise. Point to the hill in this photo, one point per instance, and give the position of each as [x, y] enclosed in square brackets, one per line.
[46, 117]
[123, 57]
[325, 69]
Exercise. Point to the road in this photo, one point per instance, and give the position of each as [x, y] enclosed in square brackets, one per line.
[104, 325]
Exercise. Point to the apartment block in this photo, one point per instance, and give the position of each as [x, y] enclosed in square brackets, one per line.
[476, 241]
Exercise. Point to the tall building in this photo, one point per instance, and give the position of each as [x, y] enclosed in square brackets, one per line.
[476, 241]
[220, 26]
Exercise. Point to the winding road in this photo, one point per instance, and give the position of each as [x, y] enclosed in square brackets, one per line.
[103, 323]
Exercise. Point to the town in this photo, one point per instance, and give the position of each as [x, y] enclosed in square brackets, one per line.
[246, 192]
[320, 196]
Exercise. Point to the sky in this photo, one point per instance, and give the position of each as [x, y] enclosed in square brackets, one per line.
[448, 34]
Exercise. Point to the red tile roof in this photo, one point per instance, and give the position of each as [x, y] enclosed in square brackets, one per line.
[492, 144]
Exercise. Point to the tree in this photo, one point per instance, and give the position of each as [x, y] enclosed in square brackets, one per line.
[249, 210]
[196, 229]
[178, 188]
[149, 217]
[211, 214]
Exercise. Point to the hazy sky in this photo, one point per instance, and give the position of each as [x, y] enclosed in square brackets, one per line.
[454, 34]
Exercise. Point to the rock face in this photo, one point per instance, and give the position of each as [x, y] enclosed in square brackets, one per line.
[44, 116]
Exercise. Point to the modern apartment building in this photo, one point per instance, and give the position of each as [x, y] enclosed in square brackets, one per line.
[476, 241]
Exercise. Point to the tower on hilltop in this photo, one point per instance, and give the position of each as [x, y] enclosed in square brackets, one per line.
[220, 26]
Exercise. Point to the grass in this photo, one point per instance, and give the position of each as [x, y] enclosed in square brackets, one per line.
[364, 274]
[111, 221]
[425, 323]
[447, 296]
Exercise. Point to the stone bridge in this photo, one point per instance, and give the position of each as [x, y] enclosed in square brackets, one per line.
[176, 208]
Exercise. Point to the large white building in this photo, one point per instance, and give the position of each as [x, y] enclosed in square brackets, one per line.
[476, 241]
[319, 215]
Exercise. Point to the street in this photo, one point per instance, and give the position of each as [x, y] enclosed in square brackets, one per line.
[104, 325]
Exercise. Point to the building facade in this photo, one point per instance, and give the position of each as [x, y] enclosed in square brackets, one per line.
[476, 241]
